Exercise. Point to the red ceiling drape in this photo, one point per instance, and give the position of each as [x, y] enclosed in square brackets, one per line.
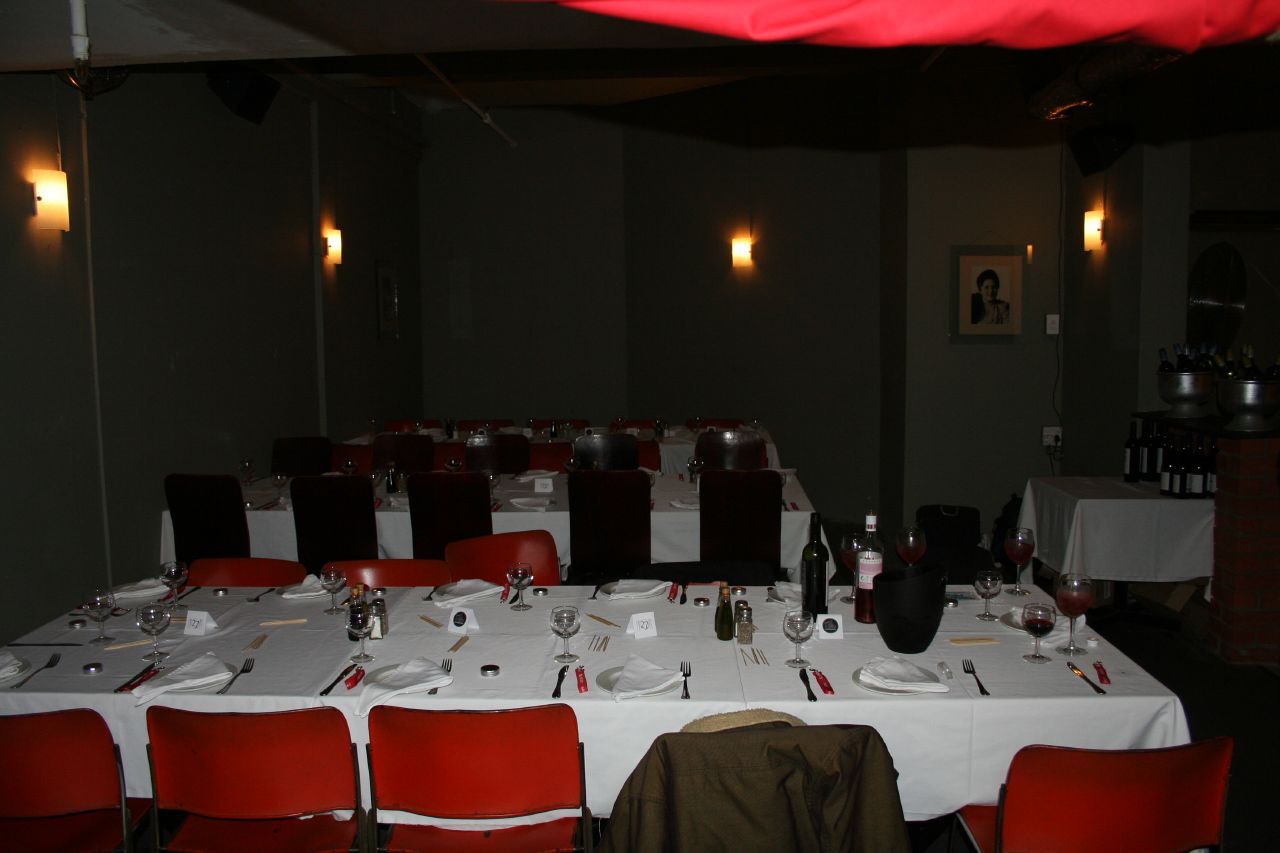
[1179, 24]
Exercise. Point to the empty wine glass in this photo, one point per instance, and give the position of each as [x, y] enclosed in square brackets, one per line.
[520, 575]
[695, 468]
[452, 464]
[359, 624]
[911, 544]
[565, 622]
[850, 545]
[1038, 621]
[281, 482]
[1019, 545]
[494, 479]
[987, 583]
[98, 607]
[246, 471]
[332, 580]
[1074, 597]
[797, 625]
[153, 619]
[349, 466]
[173, 574]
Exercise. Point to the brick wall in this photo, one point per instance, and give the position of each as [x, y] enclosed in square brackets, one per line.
[1245, 613]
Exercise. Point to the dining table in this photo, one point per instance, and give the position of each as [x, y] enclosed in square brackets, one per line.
[949, 748]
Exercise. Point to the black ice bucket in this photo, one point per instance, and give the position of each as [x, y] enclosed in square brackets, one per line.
[909, 606]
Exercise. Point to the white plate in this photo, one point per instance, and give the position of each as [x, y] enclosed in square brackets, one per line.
[24, 666]
[1006, 619]
[532, 503]
[887, 691]
[444, 591]
[607, 679]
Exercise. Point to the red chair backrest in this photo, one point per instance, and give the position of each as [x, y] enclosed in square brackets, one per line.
[650, 455]
[393, 572]
[251, 766]
[1121, 800]
[361, 454]
[476, 747]
[549, 455]
[57, 763]
[245, 571]
[487, 557]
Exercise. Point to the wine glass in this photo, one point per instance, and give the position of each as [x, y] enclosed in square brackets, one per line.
[520, 575]
[1038, 620]
[850, 545]
[494, 479]
[1019, 545]
[987, 583]
[695, 468]
[281, 482]
[173, 574]
[332, 580]
[349, 466]
[153, 619]
[565, 622]
[797, 625]
[1074, 596]
[911, 544]
[452, 464]
[360, 623]
[246, 471]
[98, 607]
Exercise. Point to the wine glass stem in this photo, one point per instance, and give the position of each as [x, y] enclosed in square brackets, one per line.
[333, 600]
[1071, 635]
[155, 646]
[1037, 647]
[986, 607]
[798, 651]
[566, 646]
[361, 645]
[102, 630]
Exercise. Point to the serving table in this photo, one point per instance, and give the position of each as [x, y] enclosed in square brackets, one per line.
[949, 748]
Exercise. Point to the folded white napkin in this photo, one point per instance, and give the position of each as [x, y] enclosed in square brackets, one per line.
[413, 676]
[534, 474]
[9, 665]
[1061, 629]
[625, 589]
[309, 587]
[460, 592]
[399, 501]
[642, 677]
[897, 674]
[145, 588]
[204, 671]
[786, 592]
[534, 504]
[687, 502]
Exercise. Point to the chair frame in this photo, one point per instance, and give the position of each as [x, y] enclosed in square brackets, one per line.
[513, 546]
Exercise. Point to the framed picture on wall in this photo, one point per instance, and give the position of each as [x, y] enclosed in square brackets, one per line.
[388, 284]
[986, 293]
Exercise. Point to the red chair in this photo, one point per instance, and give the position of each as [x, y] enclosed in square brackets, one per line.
[207, 513]
[740, 516]
[651, 455]
[393, 572]
[245, 571]
[549, 455]
[487, 557]
[445, 506]
[410, 425]
[61, 787]
[245, 780]
[476, 747]
[361, 454]
[1121, 800]
[574, 423]
[474, 424]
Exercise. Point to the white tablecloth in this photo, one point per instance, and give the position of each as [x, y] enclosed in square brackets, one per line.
[949, 749]
[1118, 531]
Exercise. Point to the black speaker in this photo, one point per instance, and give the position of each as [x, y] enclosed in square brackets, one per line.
[1096, 148]
[248, 94]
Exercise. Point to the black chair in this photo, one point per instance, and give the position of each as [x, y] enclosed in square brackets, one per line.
[738, 572]
[501, 452]
[952, 535]
[731, 450]
[207, 512]
[333, 520]
[410, 453]
[618, 451]
[608, 524]
[445, 506]
[740, 516]
[301, 455]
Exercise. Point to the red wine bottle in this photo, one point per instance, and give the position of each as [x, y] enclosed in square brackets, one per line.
[1178, 471]
[1195, 470]
[813, 569]
[1211, 469]
[1166, 472]
[870, 564]
[1133, 459]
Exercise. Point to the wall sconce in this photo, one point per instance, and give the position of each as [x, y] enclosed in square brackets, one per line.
[741, 247]
[51, 199]
[333, 245]
[1092, 230]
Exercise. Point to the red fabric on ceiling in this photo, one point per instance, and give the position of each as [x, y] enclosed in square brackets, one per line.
[1179, 24]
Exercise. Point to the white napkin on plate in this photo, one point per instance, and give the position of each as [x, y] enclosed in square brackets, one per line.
[1061, 629]
[9, 665]
[145, 588]
[309, 587]
[625, 589]
[534, 504]
[687, 502]
[534, 474]
[463, 591]
[642, 677]
[790, 594]
[414, 676]
[897, 674]
[204, 671]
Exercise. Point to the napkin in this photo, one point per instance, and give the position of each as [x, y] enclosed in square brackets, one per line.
[9, 665]
[687, 502]
[145, 588]
[625, 589]
[413, 676]
[309, 588]
[464, 591]
[399, 501]
[535, 504]
[897, 674]
[534, 474]
[642, 677]
[786, 592]
[204, 671]
[1061, 629]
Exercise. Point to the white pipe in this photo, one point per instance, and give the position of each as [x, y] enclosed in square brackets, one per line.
[79, 31]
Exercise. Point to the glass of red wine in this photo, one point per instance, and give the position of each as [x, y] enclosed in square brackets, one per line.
[1019, 545]
[1074, 597]
[850, 545]
[1038, 620]
[911, 544]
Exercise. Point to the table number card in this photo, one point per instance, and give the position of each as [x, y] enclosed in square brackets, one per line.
[831, 626]
[643, 625]
[543, 486]
[199, 623]
[462, 620]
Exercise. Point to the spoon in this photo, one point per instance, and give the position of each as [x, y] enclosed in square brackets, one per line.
[53, 661]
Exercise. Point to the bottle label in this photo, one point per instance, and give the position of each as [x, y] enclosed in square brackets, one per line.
[1195, 484]
[870, 521]
[1211, 482]
[1164, 481]
[870, 563]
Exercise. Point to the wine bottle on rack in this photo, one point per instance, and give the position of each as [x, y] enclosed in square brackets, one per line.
[1185, 364]
[870, 563]
[1251, 371]
[1178, 470]
[1195, 470]
[1166, 472]
[813, 569]
[1211, 469]
[1149, 466]
[1133, 458]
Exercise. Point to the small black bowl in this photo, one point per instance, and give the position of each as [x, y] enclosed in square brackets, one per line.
[909, 606]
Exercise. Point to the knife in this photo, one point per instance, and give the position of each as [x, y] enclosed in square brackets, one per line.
[684, 592]
[804, 676]
[564, 670]
[1078, 671]
[334, 683]
[137, 679]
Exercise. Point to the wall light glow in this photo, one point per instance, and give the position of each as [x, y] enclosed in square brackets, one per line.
[741, 247]
[51, 199]
[1092, 230]
[333, 245]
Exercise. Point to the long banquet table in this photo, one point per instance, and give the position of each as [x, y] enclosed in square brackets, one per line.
[949, 748]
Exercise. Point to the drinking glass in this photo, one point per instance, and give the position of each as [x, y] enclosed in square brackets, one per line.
[1019, 545]
[98, 607]
[695, 468]
[520, 575]
[246, 471]
[349, 466]
[1074, 596]
[173, 575]
[452, 464]
[333, 580]
[565, 622]
[797, 625]
[850, 545]
[987, 584]
[153, 619]
[281, 482]
[360, 623]
[494, 479]
[911, 544]
[1038, 620]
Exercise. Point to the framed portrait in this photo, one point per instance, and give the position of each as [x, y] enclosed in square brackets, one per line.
[388, 284]
[986, 293]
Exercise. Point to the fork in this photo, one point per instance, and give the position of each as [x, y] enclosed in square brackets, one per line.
[967, 665]
[686, 669]
[247, 666]
[447, 666]
[53, 661]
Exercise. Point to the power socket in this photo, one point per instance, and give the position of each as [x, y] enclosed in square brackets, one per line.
[1051, 436]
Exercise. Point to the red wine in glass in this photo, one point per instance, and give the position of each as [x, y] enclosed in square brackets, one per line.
[1038, 621]
[911, 545]
[1019, 552]
[1075, 603]
[1074, 595]
[1038, 627]
[849, 548]
[1019, 545]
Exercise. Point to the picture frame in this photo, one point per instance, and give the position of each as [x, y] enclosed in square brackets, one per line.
[388, 288]
[986, 297]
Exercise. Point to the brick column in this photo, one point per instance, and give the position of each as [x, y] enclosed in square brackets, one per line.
[1245, 614]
